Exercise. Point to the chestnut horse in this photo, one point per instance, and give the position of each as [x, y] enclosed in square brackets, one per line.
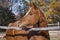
[34, 18]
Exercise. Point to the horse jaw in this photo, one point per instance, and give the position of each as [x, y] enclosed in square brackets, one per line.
[22, 25]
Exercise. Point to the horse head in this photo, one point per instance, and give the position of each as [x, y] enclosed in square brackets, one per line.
[32, 16]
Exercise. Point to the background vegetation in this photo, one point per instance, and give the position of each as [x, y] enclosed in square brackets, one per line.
[50, 8]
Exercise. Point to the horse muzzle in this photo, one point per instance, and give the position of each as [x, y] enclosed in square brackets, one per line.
[24, 27]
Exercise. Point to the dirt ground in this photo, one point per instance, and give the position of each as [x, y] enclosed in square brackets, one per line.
[54, 35]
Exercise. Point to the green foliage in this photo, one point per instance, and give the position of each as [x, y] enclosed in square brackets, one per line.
[55, 6]
[53, 13]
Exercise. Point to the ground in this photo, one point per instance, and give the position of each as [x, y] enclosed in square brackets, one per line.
[54, 35]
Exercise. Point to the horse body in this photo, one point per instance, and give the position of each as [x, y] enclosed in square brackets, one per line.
[33, 17]
[11, 34]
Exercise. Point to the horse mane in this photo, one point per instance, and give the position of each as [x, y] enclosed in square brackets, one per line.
[41, 12]
[36, 7]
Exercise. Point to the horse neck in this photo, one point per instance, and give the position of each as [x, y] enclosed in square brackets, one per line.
[42, 18]
[41, 13]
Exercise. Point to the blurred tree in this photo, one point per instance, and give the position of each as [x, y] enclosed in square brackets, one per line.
[6, 16]
[55, 6]
[38, 2]
[19, 8]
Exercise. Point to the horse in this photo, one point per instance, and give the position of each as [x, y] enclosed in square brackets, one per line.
[34, 18]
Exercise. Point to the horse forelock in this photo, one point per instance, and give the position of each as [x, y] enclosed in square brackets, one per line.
[28, 11]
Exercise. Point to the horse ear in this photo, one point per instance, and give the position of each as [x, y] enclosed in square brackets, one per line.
[33, 5]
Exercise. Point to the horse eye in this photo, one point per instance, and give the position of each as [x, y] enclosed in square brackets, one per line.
[30, 13]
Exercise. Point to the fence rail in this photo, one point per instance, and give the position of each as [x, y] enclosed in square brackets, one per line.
[54, 35]
[30, 29]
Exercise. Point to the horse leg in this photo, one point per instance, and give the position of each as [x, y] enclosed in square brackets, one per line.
[38, 38]
[21, 38]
